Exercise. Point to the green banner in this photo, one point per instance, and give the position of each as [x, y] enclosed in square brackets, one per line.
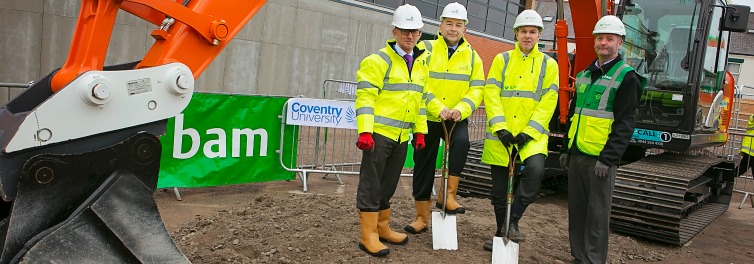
[223, 139]
[410, 155]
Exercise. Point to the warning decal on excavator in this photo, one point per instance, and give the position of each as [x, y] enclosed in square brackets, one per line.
[651, 135]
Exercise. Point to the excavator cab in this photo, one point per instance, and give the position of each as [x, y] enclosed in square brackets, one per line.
[681, 47]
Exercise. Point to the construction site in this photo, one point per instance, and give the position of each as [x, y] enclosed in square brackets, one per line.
[207, 131]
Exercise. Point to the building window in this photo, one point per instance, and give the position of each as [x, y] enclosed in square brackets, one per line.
[735, 69]
[494, 17]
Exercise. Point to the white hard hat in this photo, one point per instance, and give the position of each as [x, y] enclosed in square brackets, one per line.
[529, 18]
[407, 17]
[609, 25]
[455, 10]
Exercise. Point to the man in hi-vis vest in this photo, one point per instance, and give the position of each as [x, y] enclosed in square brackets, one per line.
[600, 128]
[520, 96]
[456, 86]
[390, 105]
[747, 148]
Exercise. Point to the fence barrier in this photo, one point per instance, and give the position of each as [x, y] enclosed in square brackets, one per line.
[332, 151]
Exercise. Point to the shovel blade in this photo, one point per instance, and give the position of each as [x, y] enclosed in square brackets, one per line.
[444, 232]
[504, 253]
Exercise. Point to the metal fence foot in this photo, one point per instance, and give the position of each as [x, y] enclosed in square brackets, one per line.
[177, 194]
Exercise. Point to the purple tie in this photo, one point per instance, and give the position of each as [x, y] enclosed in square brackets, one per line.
[409, 61]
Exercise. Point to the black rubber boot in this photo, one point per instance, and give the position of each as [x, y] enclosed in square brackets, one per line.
[500, 221]
[514, 233]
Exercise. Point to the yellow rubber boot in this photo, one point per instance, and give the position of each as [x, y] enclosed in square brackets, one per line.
[387, 234]
[370, 240]
[421, 223]
[452, 206]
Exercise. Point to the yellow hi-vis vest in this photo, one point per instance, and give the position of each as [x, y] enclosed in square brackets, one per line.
[389, 101]
[454, 83]
[747, 144]
[520, 96]
[593, 118]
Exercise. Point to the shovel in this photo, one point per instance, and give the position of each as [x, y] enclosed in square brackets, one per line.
[505, 251]
[444, 232]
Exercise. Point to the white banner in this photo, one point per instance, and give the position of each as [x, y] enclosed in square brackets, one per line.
[321, 113]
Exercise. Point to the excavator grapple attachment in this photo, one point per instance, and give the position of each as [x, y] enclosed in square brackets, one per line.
[91, 207]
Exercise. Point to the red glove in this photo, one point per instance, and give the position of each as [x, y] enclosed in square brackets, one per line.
[419, 141]
[365, 141]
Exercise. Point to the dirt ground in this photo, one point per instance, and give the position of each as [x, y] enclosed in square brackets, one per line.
[275, 222]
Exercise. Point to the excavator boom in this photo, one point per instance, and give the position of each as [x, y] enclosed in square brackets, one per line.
[79, 149]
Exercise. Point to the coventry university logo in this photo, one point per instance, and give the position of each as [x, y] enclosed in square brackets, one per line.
[351, 116]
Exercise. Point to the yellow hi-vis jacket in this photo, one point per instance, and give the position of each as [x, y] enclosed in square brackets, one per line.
[456, 82]
[520, 96]
[747, 144]
[389, 101]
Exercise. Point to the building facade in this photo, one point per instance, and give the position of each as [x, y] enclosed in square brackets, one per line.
[289, 48]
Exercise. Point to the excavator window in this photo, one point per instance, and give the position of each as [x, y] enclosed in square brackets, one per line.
[659, 34]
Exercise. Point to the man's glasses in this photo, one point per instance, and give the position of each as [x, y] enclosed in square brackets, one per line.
[406, 32]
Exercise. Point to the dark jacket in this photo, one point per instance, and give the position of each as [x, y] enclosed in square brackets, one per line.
[624, 110]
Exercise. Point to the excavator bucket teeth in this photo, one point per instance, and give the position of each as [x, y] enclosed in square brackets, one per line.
[92, 207]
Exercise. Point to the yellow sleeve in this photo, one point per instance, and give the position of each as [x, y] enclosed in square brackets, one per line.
[540, 118]
[420, 126]
[474, 97]
[492, 104]
[370, 80]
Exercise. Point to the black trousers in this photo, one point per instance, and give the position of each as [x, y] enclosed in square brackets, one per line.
[425, 159]
[379, 173]
[589, 201]
[528, 187]
[746, 164]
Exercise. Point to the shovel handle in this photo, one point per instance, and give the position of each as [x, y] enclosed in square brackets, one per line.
[446, 137]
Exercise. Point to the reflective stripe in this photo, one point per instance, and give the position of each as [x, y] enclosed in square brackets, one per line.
[491, 136]
[506, 57]
[537, 126]
[387, 59]
[613, 83]
[397, 87]
[429, 97]
[497, 119]
[422, 111]
[595, 113]
[748, 149]
[542, 70]
[365, 84]
[365, 110]
[553, 87]
[392, 122]
[477, 83]
[449, 76]
[470, 103]
[518, 94]
[495, 82]
[583, 80]
[428, 47]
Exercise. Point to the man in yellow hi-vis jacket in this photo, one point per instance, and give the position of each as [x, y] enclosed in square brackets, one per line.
[456, 85]
[520, 97]
[747, 148]
[390, 104]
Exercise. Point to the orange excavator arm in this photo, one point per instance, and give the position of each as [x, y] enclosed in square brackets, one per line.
[190, 32]
[585, 15]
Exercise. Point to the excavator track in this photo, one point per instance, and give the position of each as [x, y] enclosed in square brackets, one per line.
[665, 197]
[476, 177]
